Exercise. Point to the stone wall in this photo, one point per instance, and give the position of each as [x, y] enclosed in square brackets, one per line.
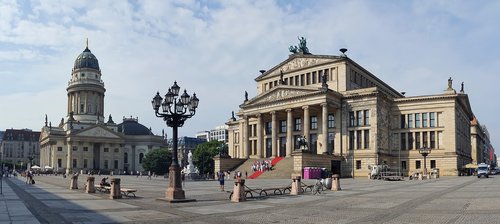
[306, 159]
[226, 163]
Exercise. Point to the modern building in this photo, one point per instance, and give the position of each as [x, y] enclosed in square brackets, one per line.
[83, 141]
[20, 147]
[219, 133]
[350, 119]
[184, 145]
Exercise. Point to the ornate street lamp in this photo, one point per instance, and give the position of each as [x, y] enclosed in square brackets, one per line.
[175, 110]
[425, 152]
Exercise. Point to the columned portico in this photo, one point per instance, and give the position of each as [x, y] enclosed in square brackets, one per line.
[246, 139]
[324, 129]
[259, 136]
[274, 135]
[307, 125]
[289, 134]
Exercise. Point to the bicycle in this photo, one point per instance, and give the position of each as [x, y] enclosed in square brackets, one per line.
[318, 187]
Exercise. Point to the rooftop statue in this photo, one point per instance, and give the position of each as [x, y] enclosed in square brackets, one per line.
[302, 48]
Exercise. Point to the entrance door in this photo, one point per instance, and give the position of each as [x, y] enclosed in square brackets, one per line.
[282, 147]
[335, 165]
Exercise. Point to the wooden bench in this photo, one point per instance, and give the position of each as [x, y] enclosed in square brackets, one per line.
[103, 189]
[128, 192]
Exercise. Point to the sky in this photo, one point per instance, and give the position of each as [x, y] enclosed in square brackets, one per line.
[216, 49]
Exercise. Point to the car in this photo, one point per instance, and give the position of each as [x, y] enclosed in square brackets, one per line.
[482, 170]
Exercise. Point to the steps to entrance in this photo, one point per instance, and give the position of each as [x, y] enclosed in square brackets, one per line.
[282, 169]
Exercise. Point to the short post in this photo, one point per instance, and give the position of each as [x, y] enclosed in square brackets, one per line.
[296, 188]
[90, 185]
[238, 191]
[74, 182]
[115, 192]
[336, 182]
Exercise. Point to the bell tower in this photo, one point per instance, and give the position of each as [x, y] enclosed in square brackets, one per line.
[86, 90]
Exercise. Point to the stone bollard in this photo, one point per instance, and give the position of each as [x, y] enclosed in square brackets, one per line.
[238, 191]
[74, 182]
[90, 185]
[115, 192]
[296, 186]
[336, 182]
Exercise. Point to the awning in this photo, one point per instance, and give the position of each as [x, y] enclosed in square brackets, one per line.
[48, 167]
[35, 167]
[470, 166]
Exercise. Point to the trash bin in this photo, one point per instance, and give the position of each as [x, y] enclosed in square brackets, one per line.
[327, 182]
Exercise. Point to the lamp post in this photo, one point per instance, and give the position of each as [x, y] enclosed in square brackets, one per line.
[425, 152]
[30, 158]
[175, 110]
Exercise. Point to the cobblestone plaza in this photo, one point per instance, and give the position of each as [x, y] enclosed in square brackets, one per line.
[443, 200]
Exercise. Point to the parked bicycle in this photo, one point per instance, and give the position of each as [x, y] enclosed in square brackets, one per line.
[318, 187]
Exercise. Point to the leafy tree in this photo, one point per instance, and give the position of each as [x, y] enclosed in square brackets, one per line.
[157, 161]
[203, 154]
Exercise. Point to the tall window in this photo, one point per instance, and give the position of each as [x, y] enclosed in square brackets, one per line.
[433, 139]
[85, 162]
[283, 126]
[403, 165]
[314, 123]
[402, 121]
[433, 119]
[269, 128]
[417, 120]
[116, 164]
[125, 158]
[358, 164]
[331, 121]
[351, 119]
[351, 140]
[417, 164]
[59, 163]
[141, 156]
[358, 139]
[403, 141]
[74, 163]
[359, 118]
[298, 124]
[367, 117]
[433, 164]
[424, 139]
[417, 140]
[366, 135]
[106, 165]
[410, 140]
[424, 120]
[410, 120]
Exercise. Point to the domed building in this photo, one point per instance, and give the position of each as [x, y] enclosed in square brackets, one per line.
[83, 141]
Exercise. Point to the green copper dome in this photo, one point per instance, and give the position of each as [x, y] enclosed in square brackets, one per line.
[86, 60]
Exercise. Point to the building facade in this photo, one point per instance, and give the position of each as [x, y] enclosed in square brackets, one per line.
[184, 145]
[219, 133]
[83, 141]
[20, 147]
[344, 111]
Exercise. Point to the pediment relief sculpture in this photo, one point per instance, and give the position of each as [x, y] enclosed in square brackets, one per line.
[97, 132]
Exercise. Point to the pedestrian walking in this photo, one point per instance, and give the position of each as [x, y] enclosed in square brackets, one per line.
[220, 177]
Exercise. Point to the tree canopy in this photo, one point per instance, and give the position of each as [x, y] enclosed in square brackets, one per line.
[157, 161]
[204, 153]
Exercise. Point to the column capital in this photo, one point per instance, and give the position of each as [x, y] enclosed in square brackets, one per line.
[289, 110]
[324, 104]
[305, 107]
[272, 112]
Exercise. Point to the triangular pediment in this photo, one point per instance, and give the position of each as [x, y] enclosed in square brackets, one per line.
[98, 132]
[280, 93]
[297, 62]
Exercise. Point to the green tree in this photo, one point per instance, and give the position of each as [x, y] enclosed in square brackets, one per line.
[204, 153]
[157, 161]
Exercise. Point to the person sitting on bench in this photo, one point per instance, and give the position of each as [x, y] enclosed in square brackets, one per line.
[104, 183]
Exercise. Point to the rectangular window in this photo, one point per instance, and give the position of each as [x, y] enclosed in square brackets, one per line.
[106, 164]
[424, 120]
[403, 165]
[302, 80]
[296, 141]
[269, 128]
[417, 140]
[116, 164]
[85, 162]
[433, 119]
[433, 139]
[297, 80]
[117, 150]
[59, 163]
[424, 139]
[74, 163]
[283, 126]
[298, 124]
[359, 118]
[85, 149]
[351, 119]
[410, 140]
[59, 149]
[358, 164]
[366, 135]
[75, 148]
[82, 107]
[417, 164]
[433, 164]
[403, 141]
[106, 149]
[314, 123]
[351, 140]
[417, 120]
[308, 78]
[358, 139]
[331, 121]
[367, 117]
[402, 121]
[313, 78]
[410, 120]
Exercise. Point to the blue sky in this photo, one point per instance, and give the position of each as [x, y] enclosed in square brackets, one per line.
[216, 48]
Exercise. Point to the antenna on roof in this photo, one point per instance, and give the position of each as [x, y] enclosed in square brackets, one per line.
[87, 43]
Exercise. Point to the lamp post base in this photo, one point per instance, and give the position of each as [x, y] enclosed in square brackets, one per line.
[174, 192]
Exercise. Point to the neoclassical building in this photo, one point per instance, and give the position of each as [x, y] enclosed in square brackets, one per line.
[350, 118]
[83, 140]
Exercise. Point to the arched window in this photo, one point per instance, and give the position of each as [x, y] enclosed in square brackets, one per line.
[125, 158]
[141, 156]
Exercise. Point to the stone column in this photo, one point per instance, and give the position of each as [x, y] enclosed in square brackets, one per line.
[74, 182]
[115, 192]
[68, 159]
[246, 139]
[307, 125]
[90, 185]
[336, 182]
[289, 134]
[296, 188]
[324, 129]
[238, 191]
[259, 136]
[274, 135]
